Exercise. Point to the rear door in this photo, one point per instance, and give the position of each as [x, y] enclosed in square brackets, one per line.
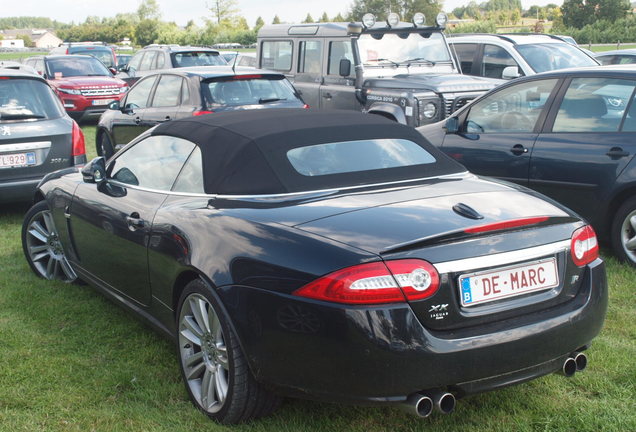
[127, 124]
[309, 76]
[497, 135]
[589, 139]
[111, 223]
[165, 102]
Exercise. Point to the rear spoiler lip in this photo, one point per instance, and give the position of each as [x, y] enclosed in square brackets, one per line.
[461, 234]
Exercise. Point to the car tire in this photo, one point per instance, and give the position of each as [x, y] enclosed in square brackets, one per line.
[105, 146]
[42, 247]
[211, 358]
[624, 232]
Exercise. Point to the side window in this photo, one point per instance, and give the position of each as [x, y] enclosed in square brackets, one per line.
[466, 57]
[161, 61]
[595, 105]
[276, 55]
[191, 176]
[139, 94]
[309, 55]
[168, 91]
[626, 60]
[514, 109]
[135, 61]
[147, 60]
[185, 92]
[339, 50]
[153, 163]
[495, 60]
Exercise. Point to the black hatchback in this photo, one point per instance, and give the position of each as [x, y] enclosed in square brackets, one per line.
[36, 135]
[569, 134]
[185, 92]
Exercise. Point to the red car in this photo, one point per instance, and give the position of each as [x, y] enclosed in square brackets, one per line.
[83, 83]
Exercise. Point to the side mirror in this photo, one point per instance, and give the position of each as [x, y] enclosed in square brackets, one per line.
[128, 108]
[114, 105]
[452, 125]
[345, 67]
[95, 171]
[112, 70]
[510, 72]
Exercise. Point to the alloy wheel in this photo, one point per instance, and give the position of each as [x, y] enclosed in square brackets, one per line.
[45, 250]
[628, 235]
[203, 353]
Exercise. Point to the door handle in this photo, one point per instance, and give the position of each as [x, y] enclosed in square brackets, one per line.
[327, 95]
[137, 120]
[617, 153]
[168, 118]
[134, 222]
[518, 150]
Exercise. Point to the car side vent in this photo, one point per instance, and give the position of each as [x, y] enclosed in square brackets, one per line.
[466, 211]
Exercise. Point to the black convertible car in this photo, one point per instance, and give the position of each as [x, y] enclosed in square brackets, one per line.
[326, 255]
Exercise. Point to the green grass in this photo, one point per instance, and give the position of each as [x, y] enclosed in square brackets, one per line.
[72, 361]
[20, 55]
[609, 47]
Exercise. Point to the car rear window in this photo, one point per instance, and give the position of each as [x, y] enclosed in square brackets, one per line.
[27, 99]
[248, 90]
[197, 58]
[76, 66]
[356, 156]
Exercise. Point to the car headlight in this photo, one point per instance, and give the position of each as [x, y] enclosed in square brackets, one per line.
[70, 91]
[123, 89]
[428, 111]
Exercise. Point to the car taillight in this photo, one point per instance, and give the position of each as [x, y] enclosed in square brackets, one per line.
[375, 283]
[508, 224]
[584, 246]
[199, 113]
[306, 106]
[79, 144]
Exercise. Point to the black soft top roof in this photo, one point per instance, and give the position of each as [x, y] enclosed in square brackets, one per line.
[245, 152]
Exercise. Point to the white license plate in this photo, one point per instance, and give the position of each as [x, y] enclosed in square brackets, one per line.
[17, 160]
[102, 101]
[483, 287]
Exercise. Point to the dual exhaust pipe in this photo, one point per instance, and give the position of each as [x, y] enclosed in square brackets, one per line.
[575, 363]
[423, 404]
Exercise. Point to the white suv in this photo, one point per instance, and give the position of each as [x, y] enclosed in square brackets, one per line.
[507, 56]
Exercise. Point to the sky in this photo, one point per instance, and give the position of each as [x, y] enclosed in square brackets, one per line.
[183, 11]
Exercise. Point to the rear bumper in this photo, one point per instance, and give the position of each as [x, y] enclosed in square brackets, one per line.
[383, 354]
[18, 190]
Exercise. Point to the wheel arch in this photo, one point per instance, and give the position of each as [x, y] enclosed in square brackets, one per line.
[390, 111]
[618, 200]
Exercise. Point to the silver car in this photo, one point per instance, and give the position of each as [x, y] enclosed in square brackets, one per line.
[36, 135]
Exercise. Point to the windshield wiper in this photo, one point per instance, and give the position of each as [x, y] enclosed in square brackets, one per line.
[20, 116]
[264, 101]
[396, 64]
[419, 60]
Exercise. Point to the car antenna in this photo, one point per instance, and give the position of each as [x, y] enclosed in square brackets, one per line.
[234, 63]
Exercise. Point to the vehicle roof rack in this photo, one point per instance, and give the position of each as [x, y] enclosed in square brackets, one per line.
[551, 36]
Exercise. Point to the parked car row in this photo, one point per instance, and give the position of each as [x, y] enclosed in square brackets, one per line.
[234, 228]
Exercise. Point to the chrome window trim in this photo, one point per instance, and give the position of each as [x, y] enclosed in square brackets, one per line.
[502, 259]
[283, 195]
[7, 148]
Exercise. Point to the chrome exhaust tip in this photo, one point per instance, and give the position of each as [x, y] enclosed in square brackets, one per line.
[569, 367]
[419, 405]
[444, 402]
[581, 361]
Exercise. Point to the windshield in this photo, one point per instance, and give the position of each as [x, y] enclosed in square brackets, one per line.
[403, 49]
[197, 58]
[547, 57]
[23, 99]
[76, 66]
[249, 91]
[104, 56]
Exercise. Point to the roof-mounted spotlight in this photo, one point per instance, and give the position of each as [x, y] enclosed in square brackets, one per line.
[393, 19]
[441, 19]
[368, 20]
[419, 19]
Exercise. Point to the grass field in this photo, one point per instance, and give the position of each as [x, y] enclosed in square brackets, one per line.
[72, 361]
